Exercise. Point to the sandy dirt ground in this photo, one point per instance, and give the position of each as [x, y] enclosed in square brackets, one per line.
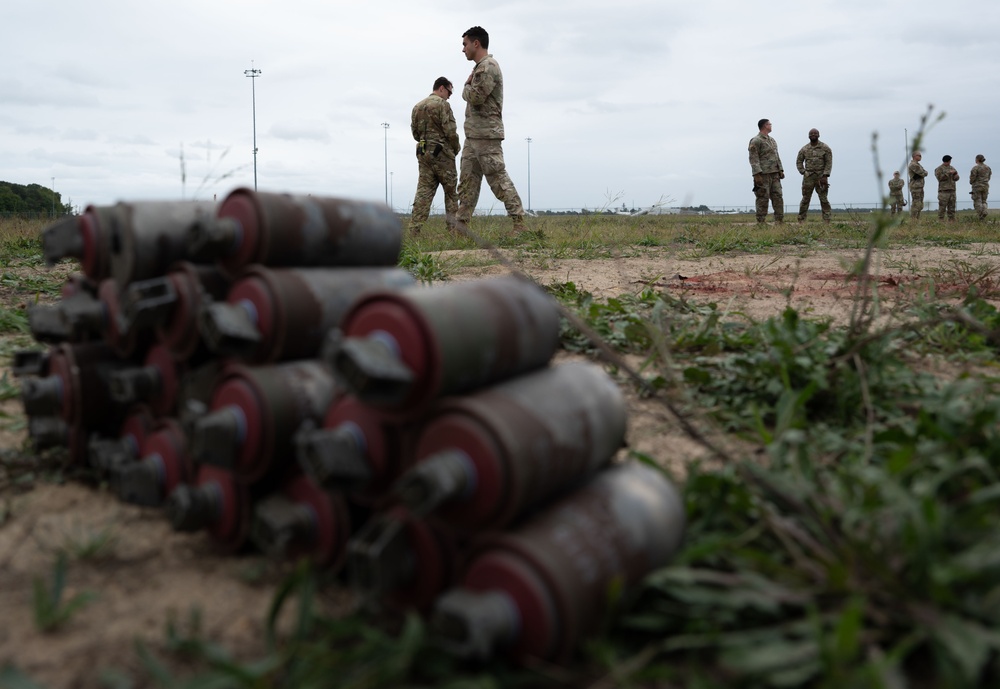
[143, 574]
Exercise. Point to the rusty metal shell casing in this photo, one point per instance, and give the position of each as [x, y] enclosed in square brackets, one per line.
[156, 382]
[85, 238]
[107, 453]
[284, 314]
[402, 562]
[277, 230]
[165, 463]
[77, 387]
[538, 591]
[358, 450]
[255, 412]
[400, 351]
[170, 305]
[147, 237]
[301, 520]
[484, 459]
[216, 502]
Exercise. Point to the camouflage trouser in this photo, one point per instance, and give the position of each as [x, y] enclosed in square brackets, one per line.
[896, 203]
[770, 189]
[810, 183]
[484, 158]
[979, 194]
[917, 201]
[434, 170]
[946, 203]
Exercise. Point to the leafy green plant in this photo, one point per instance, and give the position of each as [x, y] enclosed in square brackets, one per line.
[51, 611]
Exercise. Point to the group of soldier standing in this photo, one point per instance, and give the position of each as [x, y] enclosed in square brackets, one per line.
[815, 163]
[946, 176]
[433, 126]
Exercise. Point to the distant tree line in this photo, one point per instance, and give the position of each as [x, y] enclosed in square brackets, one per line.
[31, 198]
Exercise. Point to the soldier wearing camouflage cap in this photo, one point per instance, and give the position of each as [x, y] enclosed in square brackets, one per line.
[765, 164]
[433, 126]
[484, 134]
[917, 173]
[946, 176]
[896, 199]
[814, 163]
[979, 178]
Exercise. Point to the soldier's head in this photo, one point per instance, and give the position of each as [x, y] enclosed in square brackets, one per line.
[443, 87]
[895, 174]
[814, 135]
[764, 125]
[946, 159]
[475, 43]
[980, 158]
[917, 156]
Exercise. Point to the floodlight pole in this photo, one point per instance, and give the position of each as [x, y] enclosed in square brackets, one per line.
[253, 74]
[385, 149]
[529, 172]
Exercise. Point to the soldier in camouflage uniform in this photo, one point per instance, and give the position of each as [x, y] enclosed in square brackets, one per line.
[917, 173]
[767, 172]
[814, 163]
[979, 178]
[946, 176]
[433, 126]
[896, 193]
[483, 152]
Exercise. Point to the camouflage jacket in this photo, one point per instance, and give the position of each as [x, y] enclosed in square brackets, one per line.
[816, 159]
[433, 121]
[764, 155]
[917, 174]
[484, 101]
[980, 175]
[896, 187]
[946, 177]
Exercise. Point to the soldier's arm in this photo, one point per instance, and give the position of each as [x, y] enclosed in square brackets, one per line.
[482, 85]
[754, 158]
[800, 160]
[414, 129]
[828, 168]
[451, 129]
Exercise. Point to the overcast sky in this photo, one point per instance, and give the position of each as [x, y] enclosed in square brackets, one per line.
[625, 102]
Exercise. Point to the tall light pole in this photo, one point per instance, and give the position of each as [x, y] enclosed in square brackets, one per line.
[529, 172]
[253, 74]
[385, 146]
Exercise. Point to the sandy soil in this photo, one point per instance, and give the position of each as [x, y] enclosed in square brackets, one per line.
[144, 574]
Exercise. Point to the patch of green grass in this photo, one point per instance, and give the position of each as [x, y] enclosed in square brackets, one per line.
[50, 610]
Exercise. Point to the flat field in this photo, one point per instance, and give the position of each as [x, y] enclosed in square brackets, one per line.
[824, 393]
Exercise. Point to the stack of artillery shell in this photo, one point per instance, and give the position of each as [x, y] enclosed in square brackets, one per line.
[264, 373]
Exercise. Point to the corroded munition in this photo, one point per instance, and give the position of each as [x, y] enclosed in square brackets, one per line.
[484, 459]
[401, 350]
[538, 591]
[106, 453]
[77, 387]
[284, 314]
[401, 561]
[300, 520]
[85, 238]
[170, 305]
[291, 230]
[165, 463]
[255, 412]
[358, 450]
[147, 237]
[217, 502]
[156, 382]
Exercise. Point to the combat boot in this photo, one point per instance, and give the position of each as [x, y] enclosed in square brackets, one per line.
[519, 225]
